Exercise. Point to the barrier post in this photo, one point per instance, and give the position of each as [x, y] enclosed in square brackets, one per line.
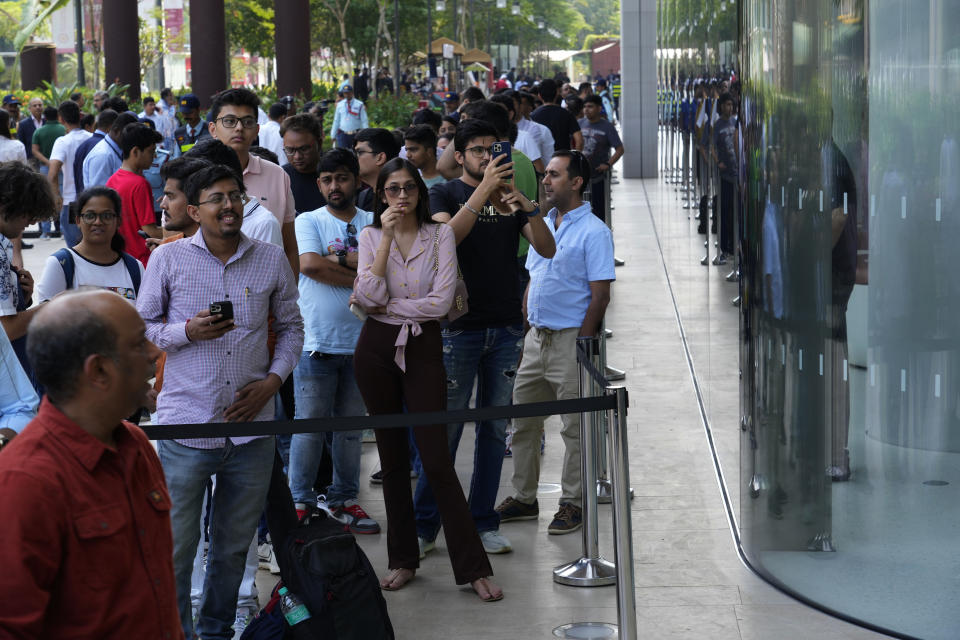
[591, 569]
[622, 524]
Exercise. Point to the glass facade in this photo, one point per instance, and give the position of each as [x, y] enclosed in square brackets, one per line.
[848, 213]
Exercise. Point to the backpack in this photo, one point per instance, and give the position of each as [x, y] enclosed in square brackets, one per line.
[65, 258]
[268, 624]
[322, 564]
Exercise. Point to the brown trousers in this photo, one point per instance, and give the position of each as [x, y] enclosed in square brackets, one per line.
[423, 387]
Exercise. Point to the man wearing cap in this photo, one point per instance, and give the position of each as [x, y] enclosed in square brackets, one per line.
[350, 117]
[193, 130]
[11, 104]
[451, 102]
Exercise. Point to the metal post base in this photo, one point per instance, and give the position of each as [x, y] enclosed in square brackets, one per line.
[617, 262]
[586, 572]
[735, 301]
[615, 374]
[733, 276]
[605, 492]
[608, 333]
[820, 542]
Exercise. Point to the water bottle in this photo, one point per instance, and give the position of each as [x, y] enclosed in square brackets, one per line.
[294, 611]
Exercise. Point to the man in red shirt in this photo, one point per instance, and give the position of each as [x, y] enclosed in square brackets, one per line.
[87, 546]
[138, 142]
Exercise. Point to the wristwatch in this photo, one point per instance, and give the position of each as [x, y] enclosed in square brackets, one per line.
[342, 257]
[4, 441]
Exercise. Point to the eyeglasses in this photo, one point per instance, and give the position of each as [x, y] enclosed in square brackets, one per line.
[230, 122]
[217, 199]
[479, 151]
[351, 235]
[304, 150]
[395, 189]
[360, 152]
[90, 217]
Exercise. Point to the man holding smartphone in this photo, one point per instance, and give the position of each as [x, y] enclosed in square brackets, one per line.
[218, 369]
[488, 217]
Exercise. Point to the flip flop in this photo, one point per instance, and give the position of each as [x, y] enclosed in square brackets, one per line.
[491, 597]
[393, 575]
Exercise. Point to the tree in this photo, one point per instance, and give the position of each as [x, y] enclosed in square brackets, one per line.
[249, 26]
[33, 20]
[339, 10]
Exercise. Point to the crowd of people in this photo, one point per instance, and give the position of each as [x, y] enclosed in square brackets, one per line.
[264, 278]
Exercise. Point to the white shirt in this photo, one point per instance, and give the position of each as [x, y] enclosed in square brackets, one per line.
[12, 150]
[270, 139]
[112, 277]
[64, 149]
[541, 134]
[259, 223]
[526, 144]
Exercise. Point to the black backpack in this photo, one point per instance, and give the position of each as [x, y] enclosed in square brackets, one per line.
[321, 563]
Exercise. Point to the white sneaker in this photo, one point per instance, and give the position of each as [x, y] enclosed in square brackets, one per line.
[495, 542]
[241, 621]
[268, 559]
[426, 546]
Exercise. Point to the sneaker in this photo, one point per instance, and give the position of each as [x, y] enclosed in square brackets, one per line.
[377, 477]
[494, 542]
[302, 509]
[567, 520]
[426, 546]
[241, 621]
[352, 514]
[508, 453]
[268, 559]
[511, 509]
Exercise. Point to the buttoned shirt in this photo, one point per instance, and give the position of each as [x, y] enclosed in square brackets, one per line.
[87, 546]
[559, 292]
[349, 116]
[416, 289]
[270, 186]
[102, 162]
[18, 399]
[202, 378]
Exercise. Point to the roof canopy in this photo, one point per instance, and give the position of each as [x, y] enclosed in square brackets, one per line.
[476, 55]
[436, 47]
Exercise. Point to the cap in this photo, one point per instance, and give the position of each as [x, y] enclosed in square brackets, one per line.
[189, 102]
[451, 96]
[346, 87]
[10, 99]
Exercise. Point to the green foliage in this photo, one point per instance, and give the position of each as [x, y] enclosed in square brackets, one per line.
[54, 96]
[249, 25]
[391, 112]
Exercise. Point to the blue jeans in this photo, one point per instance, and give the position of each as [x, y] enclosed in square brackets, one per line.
[71, 232]
[489, 357]
[325, 386]
[243, 476]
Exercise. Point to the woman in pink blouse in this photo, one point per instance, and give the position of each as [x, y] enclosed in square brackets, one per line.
[406, 278]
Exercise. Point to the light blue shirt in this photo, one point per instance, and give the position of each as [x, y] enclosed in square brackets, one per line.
[560, 286]
[329, 325]
[18, 400]
[102, 162]
[349, 117]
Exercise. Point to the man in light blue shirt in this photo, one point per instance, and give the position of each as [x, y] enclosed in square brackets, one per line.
[106, 157]
[18, 400]
[566, 298]
[349, 117]
[324, 382]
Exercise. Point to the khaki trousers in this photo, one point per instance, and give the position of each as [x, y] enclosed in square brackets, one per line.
[548, 371]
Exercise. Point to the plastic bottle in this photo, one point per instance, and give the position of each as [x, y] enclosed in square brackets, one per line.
[294, 611]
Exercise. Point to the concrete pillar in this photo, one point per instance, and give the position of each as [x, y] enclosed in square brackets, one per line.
[121, 45]
[292, 28]
[208, 50]
[638, 100]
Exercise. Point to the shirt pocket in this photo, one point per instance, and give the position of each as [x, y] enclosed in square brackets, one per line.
[101, 535]
[253, 307]
[569, 262]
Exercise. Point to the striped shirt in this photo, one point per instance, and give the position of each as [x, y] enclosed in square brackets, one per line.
[201, 378]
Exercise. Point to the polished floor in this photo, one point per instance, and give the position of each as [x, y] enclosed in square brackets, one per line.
[690, 583]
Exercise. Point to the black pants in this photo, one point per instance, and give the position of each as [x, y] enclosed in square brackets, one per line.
[727, 196]
[598, 199]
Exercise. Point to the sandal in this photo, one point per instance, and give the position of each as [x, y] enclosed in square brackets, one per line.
[487, 591]
[397, 579]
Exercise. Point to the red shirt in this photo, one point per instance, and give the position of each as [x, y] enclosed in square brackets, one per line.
[87, 549]
[137, 211]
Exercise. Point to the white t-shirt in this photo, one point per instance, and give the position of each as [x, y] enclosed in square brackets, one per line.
[64, 149]
[259, 223]
[270, 139]
[527, 145]
[12, 150]
[113, 277]
[541, 134]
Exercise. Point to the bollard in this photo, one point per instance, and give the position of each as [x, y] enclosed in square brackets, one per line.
[591, 569]
[622, 523]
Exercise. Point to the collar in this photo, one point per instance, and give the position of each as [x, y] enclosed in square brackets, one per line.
[245, 244]
[113, 145]
[253, 166]
[85, 448]
[573, 215]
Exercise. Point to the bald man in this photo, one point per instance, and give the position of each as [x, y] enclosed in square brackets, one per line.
[88, 549]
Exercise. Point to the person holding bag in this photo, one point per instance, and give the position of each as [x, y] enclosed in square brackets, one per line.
[406, 283]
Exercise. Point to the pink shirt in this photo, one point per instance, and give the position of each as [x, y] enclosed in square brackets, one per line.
[413, 291]
[270, 185]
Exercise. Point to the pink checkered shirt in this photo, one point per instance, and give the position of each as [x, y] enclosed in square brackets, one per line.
[201, 378]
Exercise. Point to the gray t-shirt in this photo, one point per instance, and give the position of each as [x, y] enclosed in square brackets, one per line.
[598, 139]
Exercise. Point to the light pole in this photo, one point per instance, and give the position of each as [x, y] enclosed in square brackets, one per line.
[78, 14]
[396, 47]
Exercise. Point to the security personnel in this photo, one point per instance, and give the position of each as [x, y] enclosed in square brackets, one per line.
[350, 117]
[194, 128]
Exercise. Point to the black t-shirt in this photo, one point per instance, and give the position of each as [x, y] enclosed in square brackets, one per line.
[306, 192]
[487, 257]
[562, 124]
[365, 198]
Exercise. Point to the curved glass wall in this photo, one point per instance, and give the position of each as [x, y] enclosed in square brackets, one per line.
[850, 322]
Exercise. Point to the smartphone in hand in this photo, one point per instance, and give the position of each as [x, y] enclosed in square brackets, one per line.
[502, 149]
[223, 308]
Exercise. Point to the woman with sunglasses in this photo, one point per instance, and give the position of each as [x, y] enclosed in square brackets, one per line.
[98, 260]
[406, 279]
